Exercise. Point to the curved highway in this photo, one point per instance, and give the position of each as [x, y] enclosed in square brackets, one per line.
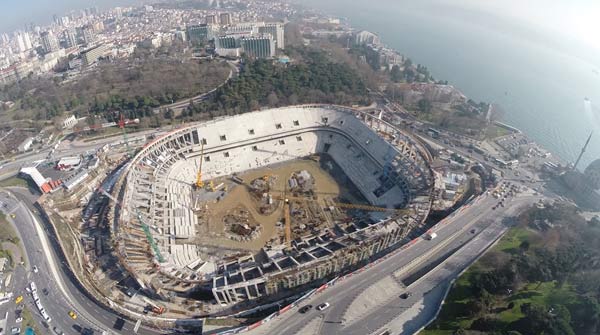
[64, 292]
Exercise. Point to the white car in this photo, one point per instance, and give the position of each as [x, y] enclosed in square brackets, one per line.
[19, 320]
[323, 306]
[35, 269]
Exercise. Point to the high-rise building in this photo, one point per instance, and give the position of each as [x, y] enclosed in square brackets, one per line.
[211, 19]
[181, 35]
[262, 46]
[200, 33]
[70, 38]
[64, 21]
[20, 43]
[225, 19]
[276, 29]
[27, 41]
[365, 37]
[226, 42]
[88, 35]
[243, 29]
[49, 41]
[92, 55]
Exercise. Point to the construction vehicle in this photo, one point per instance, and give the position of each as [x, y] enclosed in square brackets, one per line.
[199, 183]
[211, 186]
[156, 309]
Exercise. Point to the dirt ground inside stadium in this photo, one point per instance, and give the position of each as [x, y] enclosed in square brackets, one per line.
[243, 203]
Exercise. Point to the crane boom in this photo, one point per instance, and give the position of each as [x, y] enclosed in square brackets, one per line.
[149, 237]
[288, 223]
[145, 227]
[199, 182]
[346, 205]
[122, 124]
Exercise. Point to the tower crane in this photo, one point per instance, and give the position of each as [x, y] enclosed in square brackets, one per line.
[346, 205]
[288, 223]
[122, 124]
[199, 183]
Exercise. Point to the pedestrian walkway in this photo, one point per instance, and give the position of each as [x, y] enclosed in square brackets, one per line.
[375, 295]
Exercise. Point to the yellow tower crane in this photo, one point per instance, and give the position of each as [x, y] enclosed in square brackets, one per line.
[345, 205]
[288, 223]
[199, 183]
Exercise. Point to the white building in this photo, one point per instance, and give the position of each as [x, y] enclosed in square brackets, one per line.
[69, 122]
[75, 180]
[25, 145]
[366, 37]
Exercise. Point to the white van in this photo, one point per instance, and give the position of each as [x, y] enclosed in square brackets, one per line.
[45, 315]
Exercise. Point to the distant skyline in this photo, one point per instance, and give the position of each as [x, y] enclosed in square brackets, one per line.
[16, 15]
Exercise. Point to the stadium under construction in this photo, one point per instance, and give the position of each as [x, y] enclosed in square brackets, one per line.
[268, 203]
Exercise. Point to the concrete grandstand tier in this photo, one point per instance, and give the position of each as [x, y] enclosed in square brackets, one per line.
[392, 172]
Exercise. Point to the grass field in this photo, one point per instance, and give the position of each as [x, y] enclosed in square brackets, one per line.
[13, 182]
[513, 239]
[7, 232]
[493, 131]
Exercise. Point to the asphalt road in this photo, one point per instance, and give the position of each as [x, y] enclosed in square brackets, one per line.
[343, 293]
[54, 302]
[63, 295]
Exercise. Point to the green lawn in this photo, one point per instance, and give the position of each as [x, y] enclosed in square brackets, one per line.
[513, 239]
[13, 182]
[7, 232]
[493, 131]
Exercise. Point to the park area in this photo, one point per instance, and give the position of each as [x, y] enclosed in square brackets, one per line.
[538, 279]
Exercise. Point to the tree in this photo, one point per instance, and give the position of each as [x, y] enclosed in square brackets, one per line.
[272, 99]
[293, 99]
[395, 74]
[524, 246]
[170, 115]
[486, 324]
[424, 105]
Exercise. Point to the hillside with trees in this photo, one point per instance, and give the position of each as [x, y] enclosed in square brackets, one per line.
[137, 85]
[312, 78]
[541, 278]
